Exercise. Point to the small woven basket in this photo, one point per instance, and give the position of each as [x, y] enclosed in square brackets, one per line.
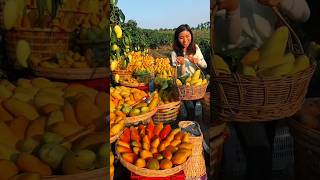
[167, 112]
[196, 166]
[144, 118]
[252, 99]
[149, 172]
[71, 73]
[97, 174]
[44, 43]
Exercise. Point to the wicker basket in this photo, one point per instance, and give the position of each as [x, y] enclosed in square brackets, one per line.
[167, 112]
[306, 148]
[149, 172]
[192, 92]
[124, 74]
[144, 118]
[97, 174]
[71, 73]
[196, 166]
[45, 43]
[252, 99]
[126, 84]
[116, 137]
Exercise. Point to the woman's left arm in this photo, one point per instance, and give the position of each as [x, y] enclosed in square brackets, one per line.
[201, 61]
[297, 10]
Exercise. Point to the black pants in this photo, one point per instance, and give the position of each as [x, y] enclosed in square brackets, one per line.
[257, 142]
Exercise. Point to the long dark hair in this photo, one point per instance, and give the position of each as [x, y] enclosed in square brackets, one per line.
[177, 47]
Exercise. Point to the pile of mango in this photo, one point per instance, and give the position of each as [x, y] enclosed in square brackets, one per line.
[154, 147]
[193, 80]
[271, 60]
[51, 128]
[163, 65]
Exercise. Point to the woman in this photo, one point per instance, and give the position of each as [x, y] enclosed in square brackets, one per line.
[186, 54]
[241, 23]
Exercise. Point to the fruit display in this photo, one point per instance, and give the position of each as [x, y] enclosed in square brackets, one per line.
[54, 14]
[271, 60]
[68, 60]
[194, 80]
[128, 102]
[52, 128]
[155, 147]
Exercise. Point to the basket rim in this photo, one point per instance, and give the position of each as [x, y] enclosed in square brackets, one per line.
[131, 85]
[116, 137]
[149, 172]
[95, 171]
[173, 104]
[143, 117]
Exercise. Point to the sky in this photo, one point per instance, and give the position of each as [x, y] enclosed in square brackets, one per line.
[155, 14]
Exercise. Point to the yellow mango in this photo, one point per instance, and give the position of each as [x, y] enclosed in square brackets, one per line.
[4, 114]
[282, 69]
[69, 113]
[7, 136]
[20, 108]
[10, 14]
[31, 164]
[8, 169]
[23, 51]
[301, 63]
[19, 126]
[251, 57]
[248, 70]
[220, 65]
[90, 141]
[42, 83]
[65, 129]
[273, 49]
[36, 127]
[179, 157]
[5, 92]
[196, 75]
[86, 111]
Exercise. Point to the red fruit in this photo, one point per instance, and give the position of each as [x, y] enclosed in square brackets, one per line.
[165, 131]
[158, 129]
[134, 134]
[125, 137]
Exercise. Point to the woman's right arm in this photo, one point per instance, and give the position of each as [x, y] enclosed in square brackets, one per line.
[228, 25]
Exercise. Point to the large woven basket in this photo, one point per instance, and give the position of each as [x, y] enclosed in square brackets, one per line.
[306, 151]
[45, 43]
[149, 172]
[144, 118]
[196, 166]
[167, 112]
[252, 99]
[97, 174]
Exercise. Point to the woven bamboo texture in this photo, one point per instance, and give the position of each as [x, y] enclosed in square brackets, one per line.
[252, 99]
[141, 118]
[132, 85]
[149, 172]
[44, 43]
[192, 92]
[123, 74]
[306, 150]
[97, 174]
[167, 112]
[196, 166]
[71, 73]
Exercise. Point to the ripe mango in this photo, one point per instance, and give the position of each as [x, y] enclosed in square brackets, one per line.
[55, 117]
[134, 112]
[141, 163]
[153, 164]
[117, 128]
[122, 149]
[7, 136]
[65, 129]
[273, 49]
[8, 169]
[74, 89]
[186, 146]
[167, 154]
[20, 108]
[165, 164]
[179, 158]
[69, 113]
[36, 127]
[49, 108]
[23, 51]
[91, 140]
[129, 157]
[155, 143]
[42, 83]
[5, 92]
[301, 63]
[31, 164]
[282, 69]
[19, 126]
[144, 154]
[86, 111]
[220, 65]
[4, 114]
[10, 14]
[43, 98]
[28, 145]
[175, 142]
[158, 156]
[248, 71]
[124, 144]
[77, 162]
[251, 57]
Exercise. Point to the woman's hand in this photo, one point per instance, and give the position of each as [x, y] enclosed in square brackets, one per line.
[180, 60]
[193, 59]
[272, 3]
[229, 5]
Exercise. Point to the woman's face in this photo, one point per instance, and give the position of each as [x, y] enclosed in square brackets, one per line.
[185, 38]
